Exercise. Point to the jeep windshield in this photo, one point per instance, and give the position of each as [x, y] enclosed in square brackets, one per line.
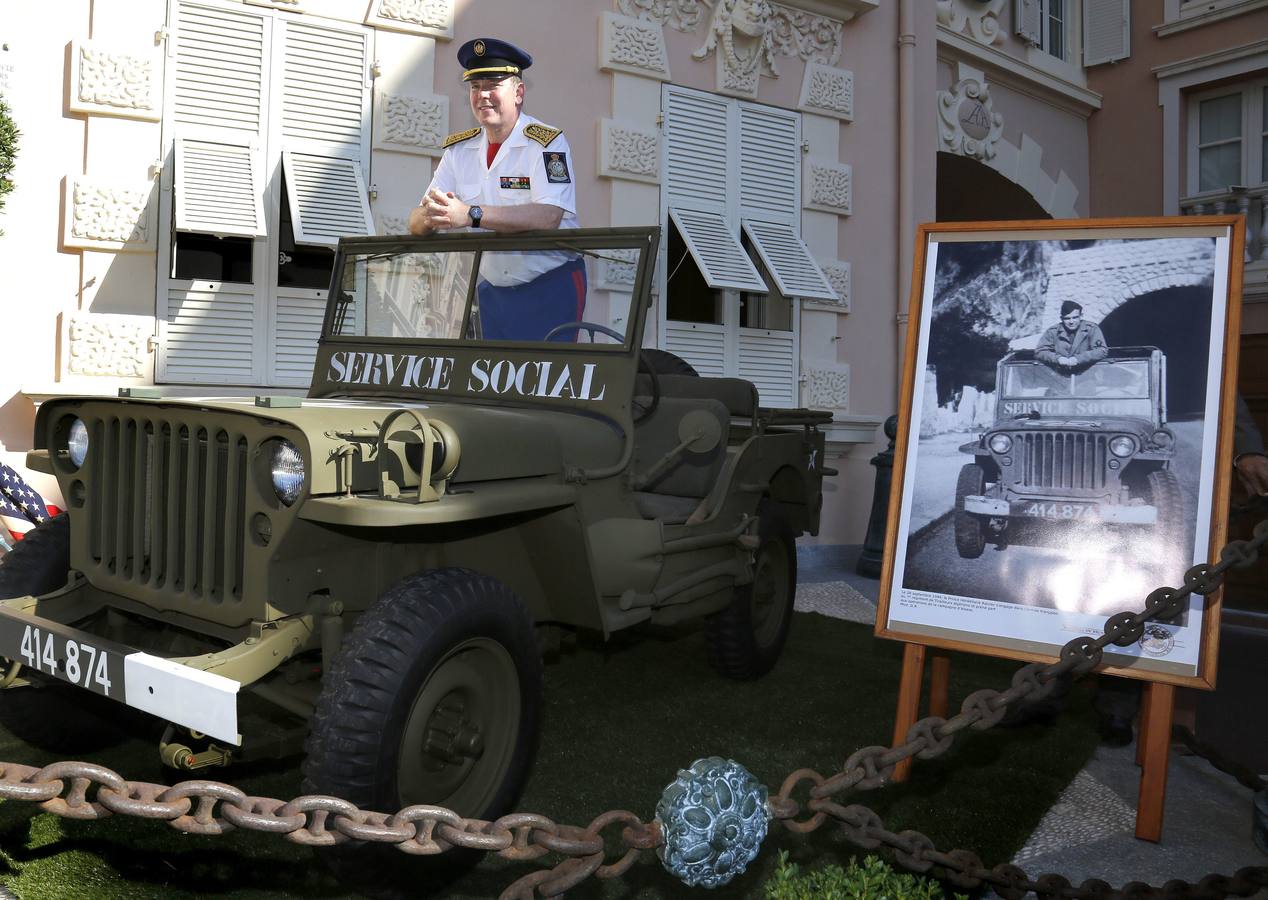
[1108, 388]
[567, 288]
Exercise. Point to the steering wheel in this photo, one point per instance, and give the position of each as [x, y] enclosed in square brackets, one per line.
[591, 327]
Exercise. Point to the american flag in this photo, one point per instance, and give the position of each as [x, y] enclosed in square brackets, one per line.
[21, 506]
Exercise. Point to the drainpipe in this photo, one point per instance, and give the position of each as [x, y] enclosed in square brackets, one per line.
[906, 166]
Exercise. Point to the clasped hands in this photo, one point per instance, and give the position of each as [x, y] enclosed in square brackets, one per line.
[443, 210]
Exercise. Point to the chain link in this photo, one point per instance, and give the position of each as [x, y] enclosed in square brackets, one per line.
[83, 790]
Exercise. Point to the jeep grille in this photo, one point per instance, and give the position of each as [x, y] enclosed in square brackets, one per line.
[1060, 460]
[167, 505]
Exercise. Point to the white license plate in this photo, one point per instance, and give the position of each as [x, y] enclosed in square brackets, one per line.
[1060, 511]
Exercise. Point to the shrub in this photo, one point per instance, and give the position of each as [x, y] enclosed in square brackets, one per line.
[873, 879]
[8, 151]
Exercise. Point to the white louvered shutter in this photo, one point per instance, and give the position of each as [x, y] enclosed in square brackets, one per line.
[769, 360]
[716, 251]
[217, 188]
[696, 150]
[324, 99]
[327, 198]
[770, 163]
[788, 260]
[1106, 31]
[208, 336]
[220, 74]
[1028, 20]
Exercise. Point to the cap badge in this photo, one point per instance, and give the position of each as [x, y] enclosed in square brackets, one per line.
[479, 48]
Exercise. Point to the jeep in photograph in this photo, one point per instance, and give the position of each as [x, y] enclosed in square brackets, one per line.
[1089, 446]
[371, 573]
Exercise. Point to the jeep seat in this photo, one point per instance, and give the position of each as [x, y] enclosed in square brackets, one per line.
[675, 494]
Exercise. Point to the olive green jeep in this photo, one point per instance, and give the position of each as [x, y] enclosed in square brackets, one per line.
[379, 564]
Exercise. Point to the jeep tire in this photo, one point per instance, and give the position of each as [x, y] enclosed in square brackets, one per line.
[434, 697]
[746, 638]
[51, 715]
[970, 537]
[1165, 496]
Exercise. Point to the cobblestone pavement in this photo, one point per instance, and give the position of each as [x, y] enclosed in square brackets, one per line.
[1090, 831]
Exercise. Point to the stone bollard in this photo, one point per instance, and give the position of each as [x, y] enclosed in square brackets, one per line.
[869, 563]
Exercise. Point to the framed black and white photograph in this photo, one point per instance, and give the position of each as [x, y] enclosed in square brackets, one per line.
[1065, 438]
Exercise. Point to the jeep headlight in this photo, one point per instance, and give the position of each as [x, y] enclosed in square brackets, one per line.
[1001, 443]
[1122, 445]
[77, 442]
[1162, 439]
[287, 471]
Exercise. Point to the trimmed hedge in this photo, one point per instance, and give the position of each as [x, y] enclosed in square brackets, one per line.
[873, 879]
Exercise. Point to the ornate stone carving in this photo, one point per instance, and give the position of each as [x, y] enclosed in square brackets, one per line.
[117, 346]
[430, 17]
[411, 124]
[826, 385]
[626, 151]
[681, 15]
[828, 91]
[393, 225]
[805, 35]
[113, 82]
[967, 122]
[828, 187]
[838, 275]
[105, 216]
[618, 269]
[714, 820]
[634, 46]
[979, 19]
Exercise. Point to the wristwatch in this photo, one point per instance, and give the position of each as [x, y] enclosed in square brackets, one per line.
[476, 214]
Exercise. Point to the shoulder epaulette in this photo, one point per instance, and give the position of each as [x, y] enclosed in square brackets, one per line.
[459, 136]
[543, 134]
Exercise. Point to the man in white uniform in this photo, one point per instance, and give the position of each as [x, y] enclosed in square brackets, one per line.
[511, 173]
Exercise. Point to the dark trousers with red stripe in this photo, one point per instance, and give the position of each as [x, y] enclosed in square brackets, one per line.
[527, 312]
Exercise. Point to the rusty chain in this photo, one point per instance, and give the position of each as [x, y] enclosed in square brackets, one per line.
[211, 807]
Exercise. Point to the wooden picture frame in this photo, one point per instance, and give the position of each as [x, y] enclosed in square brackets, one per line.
[1014, 549]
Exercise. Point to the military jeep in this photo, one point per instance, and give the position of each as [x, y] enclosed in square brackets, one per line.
[381, 562]
[1070, 448]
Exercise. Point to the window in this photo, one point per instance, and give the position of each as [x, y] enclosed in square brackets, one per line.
[1045, 24]
[1228, 138]
[1054, 28]
[267, 137]
[735, 263]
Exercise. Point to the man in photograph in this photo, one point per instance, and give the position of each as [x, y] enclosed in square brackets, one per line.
[1072, 343]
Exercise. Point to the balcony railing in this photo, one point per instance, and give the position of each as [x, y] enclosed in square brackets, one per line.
[1250, 202]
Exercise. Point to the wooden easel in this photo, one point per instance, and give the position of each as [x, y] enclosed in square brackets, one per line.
[1152, 745]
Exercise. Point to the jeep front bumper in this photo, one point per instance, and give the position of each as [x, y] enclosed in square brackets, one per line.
[1062, 510]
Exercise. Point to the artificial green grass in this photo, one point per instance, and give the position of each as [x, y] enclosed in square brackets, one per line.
[620, 720]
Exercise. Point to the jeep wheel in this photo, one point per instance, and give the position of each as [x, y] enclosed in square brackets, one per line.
[50, 715]
[662, 362]
[434, 698]
[1165, 496]
[746, 638]
[970, 537]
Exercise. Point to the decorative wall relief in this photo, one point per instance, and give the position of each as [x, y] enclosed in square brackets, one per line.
[106, 216]
[632, 45]
[979, 18]
[967, 122]
[827, 91]
[741, 33]
[99, 344]
[826, 385]
[618, 269]
[110, 81]
[433, 18]
[838, 275]
[828, 187]
[681, 15]
[393, 225]
[411, 124]
[805, 35]
[626, 151]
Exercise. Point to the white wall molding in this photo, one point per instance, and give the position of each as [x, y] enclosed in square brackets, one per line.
[617, 270]
[828, 91]
[105, 215]
[411, 124]
[626, 151]
[838, 275]
[1017, 74]
[632, 45]
[980, 20]
[115, 81]
[116, 346]
[433, 18]
[828, 187]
